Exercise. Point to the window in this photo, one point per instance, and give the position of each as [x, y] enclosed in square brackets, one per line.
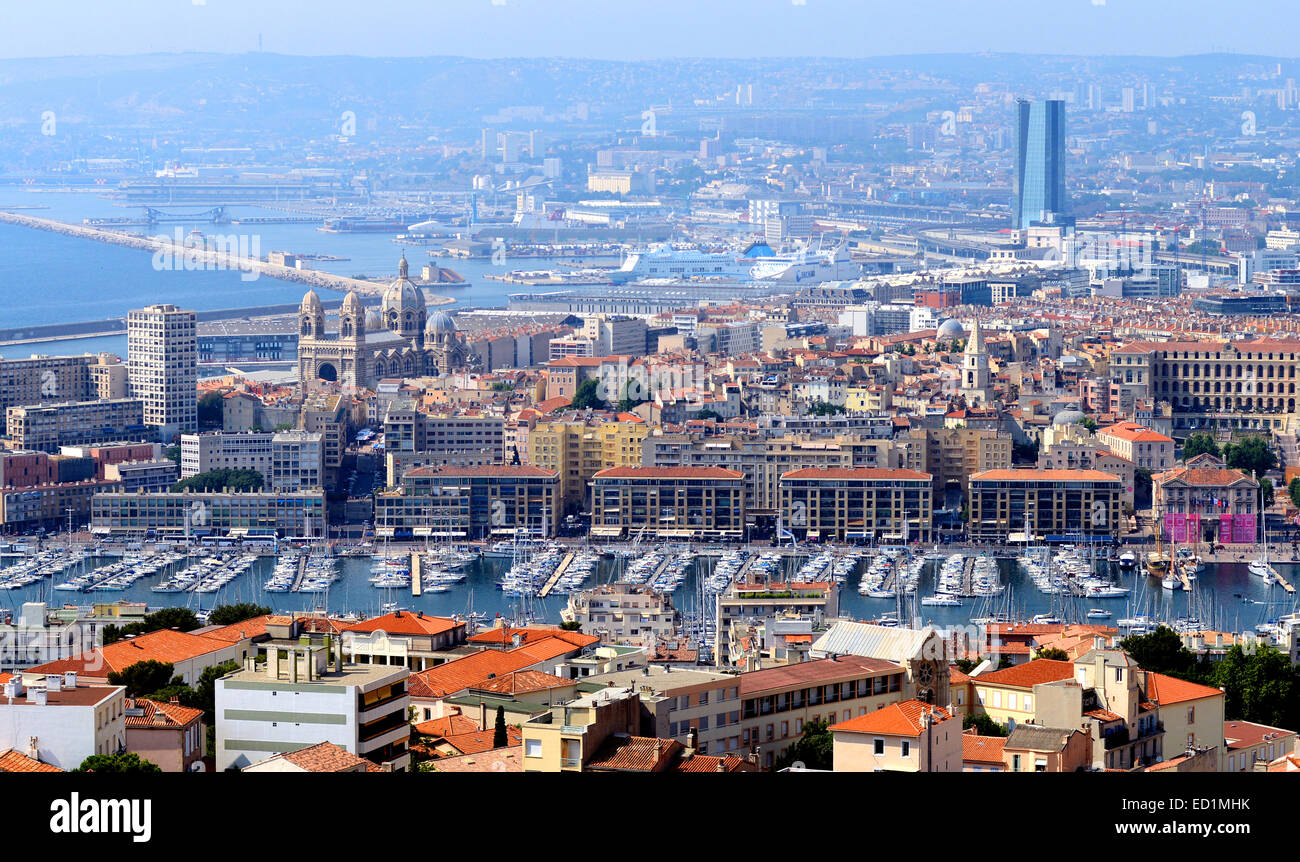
[533, 748]
[906, 748]
[1119, 674]
[1015, 762]
[1191, 715]
[704, 698]
[1029, 703]
[798, 725]
[880, 747]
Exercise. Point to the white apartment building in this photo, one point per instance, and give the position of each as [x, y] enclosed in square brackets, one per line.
[287, 460]
[60, 721]
[303, 695]
[162, 366]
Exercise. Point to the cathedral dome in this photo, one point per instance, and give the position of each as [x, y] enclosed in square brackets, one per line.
[950, 329]
[402, 294]
[374, 322]
[351, 303]
[440, 322]
[310, 301]
[1069, 416]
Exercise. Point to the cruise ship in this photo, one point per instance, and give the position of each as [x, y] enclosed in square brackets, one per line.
[757, 262]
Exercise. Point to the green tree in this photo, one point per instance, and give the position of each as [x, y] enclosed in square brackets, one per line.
[171, 618]
[633, 394]
[1293, 490]
[1252, 455]
[1200, 444]
[116, 763]
[1089, 423]
[825, 408]
[221, 479]
[143, 677]
[813, 749]
[1161, 651]
[1266, 489]
[571, 626]
[588, 397]
[210, 410]
[983, 724]
[172, 453]
[226, 615]
[500, 739]
[1262, 686]
[1053, 654]
[706, 413]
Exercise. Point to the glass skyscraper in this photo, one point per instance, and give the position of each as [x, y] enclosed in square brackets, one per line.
[1040, 161]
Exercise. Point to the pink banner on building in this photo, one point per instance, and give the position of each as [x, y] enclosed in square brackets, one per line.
[1243, 528]
[1225, 528]
[1181, 527]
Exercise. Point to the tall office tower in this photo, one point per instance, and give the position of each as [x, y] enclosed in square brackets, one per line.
[1039, 186]
[162, 367]
[1128, 99]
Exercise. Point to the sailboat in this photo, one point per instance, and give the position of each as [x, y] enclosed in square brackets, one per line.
[1157, 565]
[1260, 565]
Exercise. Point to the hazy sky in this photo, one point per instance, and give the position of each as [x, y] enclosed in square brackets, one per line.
[640, 29]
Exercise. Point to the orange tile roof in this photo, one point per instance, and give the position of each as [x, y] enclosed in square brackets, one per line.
[447, 725]
[804, 673]
[1244, 734]
[1029, 674]
[635, 754]
[477, 741]
[982, 749]
[13, 761]
[529, 634]
[459, 674]
[496, 760]
[895, 473]
[1036, 475]
[668, 473]
[158, 714]
[523, 681]
[328, 757]
[408, 623]
[897, 719]
[164, 645]
[545, 650]
[249, 628]
[1165, 690]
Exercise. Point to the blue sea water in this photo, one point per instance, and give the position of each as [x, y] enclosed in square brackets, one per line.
[49, 278]
[1227, 596]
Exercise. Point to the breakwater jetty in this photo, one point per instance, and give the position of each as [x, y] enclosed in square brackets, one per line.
[206, 258]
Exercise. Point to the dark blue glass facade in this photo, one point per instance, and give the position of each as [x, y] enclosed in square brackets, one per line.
[1040, 162]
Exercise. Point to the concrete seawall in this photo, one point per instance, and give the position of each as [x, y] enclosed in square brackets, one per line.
[209, 259]
[117, 325]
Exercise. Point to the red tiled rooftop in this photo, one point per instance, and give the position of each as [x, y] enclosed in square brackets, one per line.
[1029, 674]
[164, 645]
[14, 761]
[1165, 690]
[816, 672]
[399, 623]
[897, 719]
[982, 749]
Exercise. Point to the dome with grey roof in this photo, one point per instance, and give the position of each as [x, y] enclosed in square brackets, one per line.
[440, 322]
[951, 328]
[1069, 416]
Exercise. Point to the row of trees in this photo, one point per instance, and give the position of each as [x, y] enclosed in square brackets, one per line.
[1252, 455]
[183, 619]
[1260, 684]
[221, 479]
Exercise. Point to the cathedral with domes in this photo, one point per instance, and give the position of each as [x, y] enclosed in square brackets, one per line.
[401, 339]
